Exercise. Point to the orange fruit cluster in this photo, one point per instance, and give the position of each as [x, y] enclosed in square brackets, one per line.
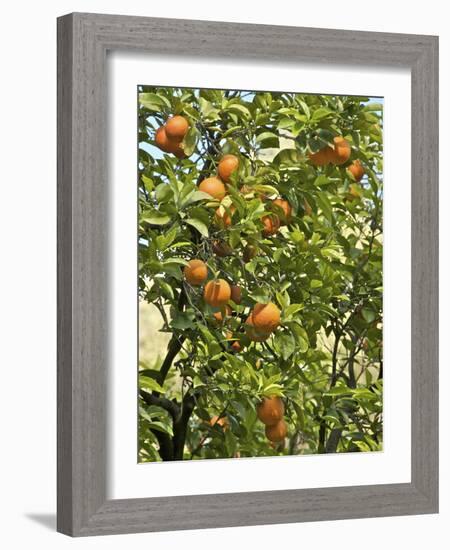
[270, 412]
[170, 136]
[339, 154]
[215, 185]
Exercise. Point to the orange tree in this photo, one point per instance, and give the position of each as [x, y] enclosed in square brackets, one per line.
[260, 245]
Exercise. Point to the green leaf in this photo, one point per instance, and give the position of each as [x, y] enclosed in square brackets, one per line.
[325, 205]
[268, 139]
[160, 427]
[260, 295]
[148, 182]
[207, 109]
[291, 310]
[153, 102]
[368, 314]
[239, 109]
[285, 343]
[190, 141]
[289, 157]
[373, 107]
[196, 196]
[321, 113]
[305, 108]
[285, 123]
[199, 225]
[163, 192]
[183, 320]
[301, 337]
[156, 218]
[149, 384]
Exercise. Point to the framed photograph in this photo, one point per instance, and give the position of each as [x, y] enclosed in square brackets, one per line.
[247, 274]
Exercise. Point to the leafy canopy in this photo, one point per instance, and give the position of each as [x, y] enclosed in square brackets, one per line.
[322, 268]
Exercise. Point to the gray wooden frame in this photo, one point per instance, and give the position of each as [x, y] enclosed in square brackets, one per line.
[83, 41]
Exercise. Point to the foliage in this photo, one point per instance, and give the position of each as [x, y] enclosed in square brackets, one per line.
[323, 269]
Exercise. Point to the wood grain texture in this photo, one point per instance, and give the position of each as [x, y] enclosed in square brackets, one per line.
[83, 40]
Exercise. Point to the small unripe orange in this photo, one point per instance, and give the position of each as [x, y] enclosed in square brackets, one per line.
[196, 272]
[217, 293]
[176, 128]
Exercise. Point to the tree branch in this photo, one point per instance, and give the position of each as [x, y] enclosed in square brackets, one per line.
[170, 406]
[180, 426]
[333, 440]
[165, 445]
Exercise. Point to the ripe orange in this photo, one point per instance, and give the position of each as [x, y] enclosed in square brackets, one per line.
[252, 333]
[249, 253]
[222, 313]
[221, 248]
[277, 432]
[222, 422]
[214, 187]
[176, 128]
[167, 145]
[227, 166]
[271, 224]
[270, 410]
[341, 152]
[223, 218]
[285, 207]
[266, 317]
[356, 169]
[195, 272]
[236, 294]
[217, 293]
[322, 157]
[161, 139]
[236, 346]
